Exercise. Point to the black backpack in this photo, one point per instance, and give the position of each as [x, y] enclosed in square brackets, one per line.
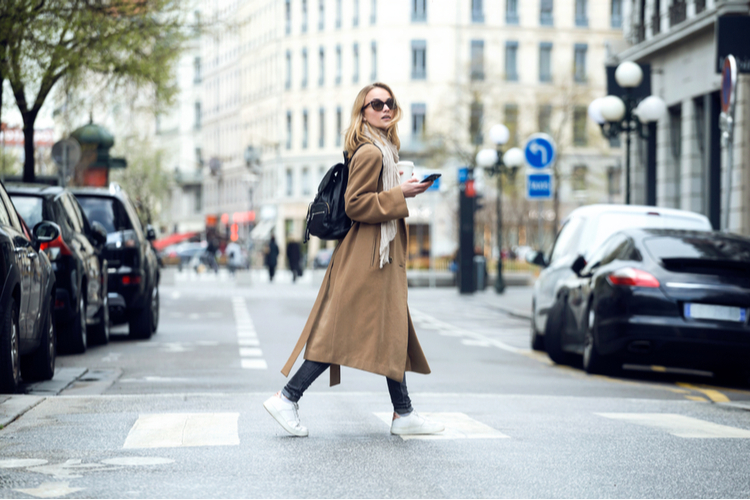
[326, 215]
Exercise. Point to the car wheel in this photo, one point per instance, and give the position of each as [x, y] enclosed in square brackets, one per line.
[593, 362]
[100, 331]
[553, 335]
[140, 325]
[10, 360]
[537, 341]
[40, 365]
[154, 309]
[77, 340]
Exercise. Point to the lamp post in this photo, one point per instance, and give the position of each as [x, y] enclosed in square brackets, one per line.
[617, 114]
[495, 163]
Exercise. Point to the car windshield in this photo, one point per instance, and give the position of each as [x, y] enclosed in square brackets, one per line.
[105, 211]
[692, 246]
[29, 208]
[610, 223]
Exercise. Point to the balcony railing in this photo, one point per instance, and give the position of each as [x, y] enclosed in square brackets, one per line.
[639, 33]
[656, 23]
[677, 12]
[700, 6]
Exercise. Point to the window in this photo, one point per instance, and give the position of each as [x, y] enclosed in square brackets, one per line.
[475, 123]
[568, 239]
[374, 61]
[418, 59]
[289, 182]
[418, 11]
[289, 130]
[322, 129]
[545, 62]
[355, 17]
[338, 14]
[321, 15]
[197, 78]
[675, 132]
[511, 121]
[288, 16]
[338, 126]
[580, 138]
[306, 181]
[545, 13]
[511, 11]
[304, 16]
[477, 59]
[544, 119]
[614, 180]
[305, 130]
[511, 56]
[616, 19]
[579, 68]
[338, 64]
[578, 179]
[581, 17]
[197, 124]
[418, 111]
[373, 11]
[288, 80]
[477, 11]
[321, 66]
[304, 68]
[355, 76]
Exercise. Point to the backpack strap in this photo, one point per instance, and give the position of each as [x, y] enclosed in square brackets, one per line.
[347, 158]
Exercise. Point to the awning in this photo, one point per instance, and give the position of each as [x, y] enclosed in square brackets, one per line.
[163, 243]
[262, 230]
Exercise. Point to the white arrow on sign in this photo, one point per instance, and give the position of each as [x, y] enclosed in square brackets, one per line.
[535, 148]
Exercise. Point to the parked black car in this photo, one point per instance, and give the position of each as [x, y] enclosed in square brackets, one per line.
[133, 266]
[81, 313]
[28, 344]
[657, 296]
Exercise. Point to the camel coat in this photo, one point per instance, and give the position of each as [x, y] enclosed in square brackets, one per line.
[361, 317]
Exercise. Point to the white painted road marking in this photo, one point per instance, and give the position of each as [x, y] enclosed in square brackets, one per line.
[172, 430]
[457, 426]
[448, 330]
[254, 364]
[251, 356]
[680, 425]
[251, 352]
[50, 490]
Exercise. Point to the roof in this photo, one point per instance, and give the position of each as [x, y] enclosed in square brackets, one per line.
[33, 189]
[655, 232]
[114, 190]
[596, 209]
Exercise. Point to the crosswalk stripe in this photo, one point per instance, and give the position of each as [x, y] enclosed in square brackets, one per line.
[251, 352]
[254, 364]
[457, 426]
[248, 341]
[247, 338]
[172, 430]
[680, 425]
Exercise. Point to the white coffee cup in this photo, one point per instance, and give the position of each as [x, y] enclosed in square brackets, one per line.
[407, 167]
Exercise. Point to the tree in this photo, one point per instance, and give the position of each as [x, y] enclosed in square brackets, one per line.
[42, 41]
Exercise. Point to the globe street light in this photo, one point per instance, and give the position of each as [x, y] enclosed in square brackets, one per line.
[495, 163]
[617, 114]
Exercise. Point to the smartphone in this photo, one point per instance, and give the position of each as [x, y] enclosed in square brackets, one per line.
[431, 178]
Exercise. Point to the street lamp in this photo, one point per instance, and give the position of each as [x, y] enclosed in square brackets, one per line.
[495, 163]
[627, 114]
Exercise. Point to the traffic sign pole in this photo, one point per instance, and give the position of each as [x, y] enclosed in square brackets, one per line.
[726, 123]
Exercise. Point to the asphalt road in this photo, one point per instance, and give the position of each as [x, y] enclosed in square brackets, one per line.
[181, 416]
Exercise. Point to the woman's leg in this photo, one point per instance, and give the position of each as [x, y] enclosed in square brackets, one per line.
[399, 396]
[306, 375]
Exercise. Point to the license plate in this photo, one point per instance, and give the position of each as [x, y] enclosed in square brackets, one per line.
[721, 313]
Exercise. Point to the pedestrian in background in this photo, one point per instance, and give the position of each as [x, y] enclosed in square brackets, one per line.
[272, 257]
[293, 258]
[361, 317]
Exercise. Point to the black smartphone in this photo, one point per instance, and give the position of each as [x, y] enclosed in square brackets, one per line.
[431, 178]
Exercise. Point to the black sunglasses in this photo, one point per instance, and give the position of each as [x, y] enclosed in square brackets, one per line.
[377, 104]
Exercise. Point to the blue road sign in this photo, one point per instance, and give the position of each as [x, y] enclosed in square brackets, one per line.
[463, 174]
[539, 186]
[540, 151]
[435, 185]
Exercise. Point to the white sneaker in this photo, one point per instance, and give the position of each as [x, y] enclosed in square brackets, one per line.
[285, 413]
[415, 424]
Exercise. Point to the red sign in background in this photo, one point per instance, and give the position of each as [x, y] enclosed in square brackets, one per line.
[13, 136]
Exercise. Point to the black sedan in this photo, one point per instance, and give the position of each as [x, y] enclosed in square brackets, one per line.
[28, 345]
[81, 303]
[657, 296]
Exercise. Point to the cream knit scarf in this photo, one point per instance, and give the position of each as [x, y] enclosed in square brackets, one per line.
[391, 179]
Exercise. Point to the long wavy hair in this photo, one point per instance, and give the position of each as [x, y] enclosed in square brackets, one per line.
[355, 134]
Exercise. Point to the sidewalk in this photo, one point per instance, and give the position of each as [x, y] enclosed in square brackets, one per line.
[516, 300]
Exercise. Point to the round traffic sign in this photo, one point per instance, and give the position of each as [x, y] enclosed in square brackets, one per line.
[728, 83]
[539, 151]
[66, 152]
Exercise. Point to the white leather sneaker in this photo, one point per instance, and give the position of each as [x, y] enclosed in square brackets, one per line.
[415, 424]
[285, 413]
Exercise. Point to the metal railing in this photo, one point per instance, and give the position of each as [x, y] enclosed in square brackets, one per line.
[677, 12]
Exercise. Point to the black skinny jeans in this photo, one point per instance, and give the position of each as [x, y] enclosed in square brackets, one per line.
[310, 370]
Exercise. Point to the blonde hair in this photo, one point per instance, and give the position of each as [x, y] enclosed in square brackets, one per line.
[355, 134]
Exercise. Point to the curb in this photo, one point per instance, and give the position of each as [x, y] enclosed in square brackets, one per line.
[15, 406]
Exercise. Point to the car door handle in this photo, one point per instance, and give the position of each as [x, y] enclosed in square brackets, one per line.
[31, 255]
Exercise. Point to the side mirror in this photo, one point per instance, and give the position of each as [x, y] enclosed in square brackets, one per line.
[45, 231]
[150, 233]
[98, 234]
[578, 265]
[536, 258]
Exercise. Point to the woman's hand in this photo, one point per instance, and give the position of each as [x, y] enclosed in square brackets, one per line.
[413, 187]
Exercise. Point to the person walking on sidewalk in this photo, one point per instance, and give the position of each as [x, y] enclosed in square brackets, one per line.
[361, 317]
[272, 257]
[293, 259]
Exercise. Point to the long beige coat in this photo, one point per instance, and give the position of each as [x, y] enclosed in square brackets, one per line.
[361, 318]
